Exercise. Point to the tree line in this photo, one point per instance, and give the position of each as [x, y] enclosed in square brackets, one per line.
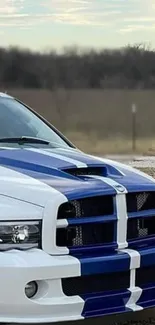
[131, 67]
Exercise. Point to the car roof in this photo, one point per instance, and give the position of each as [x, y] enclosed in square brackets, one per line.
[4, 95]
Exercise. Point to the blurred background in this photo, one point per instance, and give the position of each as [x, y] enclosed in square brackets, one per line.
[104, 101]
[100, 92]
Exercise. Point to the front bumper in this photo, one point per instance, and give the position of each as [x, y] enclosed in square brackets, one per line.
[50, 303]
[17, 268]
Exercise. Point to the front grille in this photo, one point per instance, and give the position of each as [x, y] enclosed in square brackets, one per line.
[145, 275]
[92, 222]
[95, 283]
[139, 228]
[85, 235]
[87, 207]
[140, 201]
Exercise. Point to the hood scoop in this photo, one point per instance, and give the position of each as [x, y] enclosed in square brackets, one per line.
[82, 172]
[104, 171]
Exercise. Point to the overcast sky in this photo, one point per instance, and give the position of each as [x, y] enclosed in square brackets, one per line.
[45, 24]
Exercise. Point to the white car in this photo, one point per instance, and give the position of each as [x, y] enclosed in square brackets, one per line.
[77, 232]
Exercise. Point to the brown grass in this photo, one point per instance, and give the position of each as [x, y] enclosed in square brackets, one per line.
[97, 120]
[98, 145]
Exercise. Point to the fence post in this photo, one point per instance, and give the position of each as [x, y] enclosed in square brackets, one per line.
[134, 133]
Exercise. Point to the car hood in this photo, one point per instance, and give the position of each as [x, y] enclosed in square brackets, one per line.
[33, 175]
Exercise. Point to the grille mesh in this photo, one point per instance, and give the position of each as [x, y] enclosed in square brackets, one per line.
[141, 227]
[140, 201]
[85, 235]
[90, 233]
[77, 241]
[96, 283]
[87, 207]
[145, 275]
[142, 230]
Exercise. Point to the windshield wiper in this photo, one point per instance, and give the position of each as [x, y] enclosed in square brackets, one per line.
[23, 140]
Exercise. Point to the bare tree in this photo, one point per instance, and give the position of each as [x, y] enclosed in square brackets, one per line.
[128, 67]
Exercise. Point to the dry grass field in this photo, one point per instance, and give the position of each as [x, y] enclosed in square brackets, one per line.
[97, 121]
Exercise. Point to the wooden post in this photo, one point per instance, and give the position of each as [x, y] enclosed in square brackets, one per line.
[134, 133]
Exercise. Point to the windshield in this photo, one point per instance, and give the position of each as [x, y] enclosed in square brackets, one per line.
[16, 120]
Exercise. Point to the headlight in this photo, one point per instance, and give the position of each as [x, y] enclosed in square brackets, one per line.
[20, 235]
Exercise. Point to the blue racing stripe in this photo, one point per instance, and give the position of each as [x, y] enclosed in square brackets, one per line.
[93, 250]
[147, 299]
[131, 181]
[90, 161]
[34, 157]
[147, 256]
[91, 220]
[84, 158]
[70, 187]
[143, 242]
[134, 182]
[105, 304]
[116, 262]
[24, 165]
[142, 214]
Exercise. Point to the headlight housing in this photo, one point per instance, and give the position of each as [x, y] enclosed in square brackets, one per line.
[20, 235]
